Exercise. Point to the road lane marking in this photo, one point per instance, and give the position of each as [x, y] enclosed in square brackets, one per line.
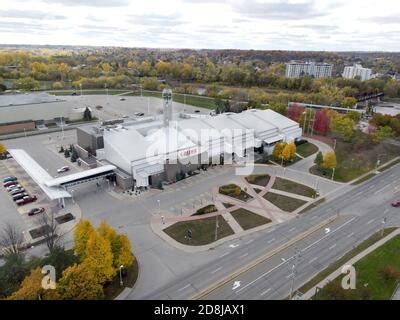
[243, 255]
[370, 221]
[223, 255]
[314, 217]
[216, 270]
[183, 288]
[313, 259]
[250, 241]
[266, 291]
[350, 235]
[331, 247]
[292, 229]
[271, 240]
[289, 275]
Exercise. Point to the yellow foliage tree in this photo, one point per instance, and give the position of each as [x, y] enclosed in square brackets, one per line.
[329, 160]
[31, 287]
[276, 153]
[79, 283]
[292, 149]
[124, 256]
[2, 148]
[106, 67]
[82, 232]
[130, 64]
[99, 258]
[286, 153]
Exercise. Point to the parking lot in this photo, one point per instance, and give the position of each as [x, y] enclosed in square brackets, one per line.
[119, 106]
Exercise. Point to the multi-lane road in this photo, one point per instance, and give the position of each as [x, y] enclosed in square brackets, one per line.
[362, 211]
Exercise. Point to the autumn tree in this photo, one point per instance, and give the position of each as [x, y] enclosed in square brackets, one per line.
[286, 153]
[292, 149]
[11, 239]
[329, 161]
[31, 287]
[82, 232]
[27, 83]
[3, 149]
[79, 283]
[99, 258]
[343, 126]
[349, 102]
[106, 67]
[278, 148]
[295, 111]
[321, 123]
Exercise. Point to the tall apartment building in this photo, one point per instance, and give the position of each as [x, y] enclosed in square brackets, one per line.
[295, 69]
[350, 72]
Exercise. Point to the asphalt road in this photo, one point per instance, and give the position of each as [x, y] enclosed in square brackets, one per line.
[361, 213]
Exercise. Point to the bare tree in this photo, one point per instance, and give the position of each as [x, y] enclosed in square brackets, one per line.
[50, 227]
[11, 239]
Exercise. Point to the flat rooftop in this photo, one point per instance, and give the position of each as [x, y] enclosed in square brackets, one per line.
[17, 99]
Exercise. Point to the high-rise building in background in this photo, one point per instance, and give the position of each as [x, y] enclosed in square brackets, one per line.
[296, 69]
[350, 72]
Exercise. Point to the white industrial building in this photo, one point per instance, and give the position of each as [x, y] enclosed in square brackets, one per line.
[351, 72]
[155, 150]
[297, 69]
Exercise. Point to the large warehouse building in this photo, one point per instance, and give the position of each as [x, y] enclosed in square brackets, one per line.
[156, 149]
[28, 111]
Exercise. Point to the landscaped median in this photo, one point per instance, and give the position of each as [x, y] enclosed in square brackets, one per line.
[247, 219]
[284, 203]
[234, 191]
[200, 231]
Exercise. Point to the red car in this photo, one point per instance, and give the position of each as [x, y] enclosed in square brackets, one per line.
[26, 200]
[396, 204]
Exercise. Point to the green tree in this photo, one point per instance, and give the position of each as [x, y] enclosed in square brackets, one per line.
[58, 85]
[319, 159]
[67, 153]
[382, 133]
[349, 102]
[87, 114]
[27, 83]
[60, 259]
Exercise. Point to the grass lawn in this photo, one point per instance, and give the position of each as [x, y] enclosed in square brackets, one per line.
[289, 163]
[340, 262]
[114, 288]
[353, 161]
[370, 271]
[306, 149]
[197, 101]
[248, 219]
[258, 179]
[86, 92]
[293, 187]
[313, 205]
[203, 231]
[283, 202]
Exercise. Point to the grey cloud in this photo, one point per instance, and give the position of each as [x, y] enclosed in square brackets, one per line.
[391, 19]
[278, 10]
[91, 3]
[23, 27]
[30, 14]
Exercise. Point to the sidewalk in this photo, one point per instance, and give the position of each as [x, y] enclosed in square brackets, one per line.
[310, 293]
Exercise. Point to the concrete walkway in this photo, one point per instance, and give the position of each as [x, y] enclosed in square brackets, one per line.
[310, 293]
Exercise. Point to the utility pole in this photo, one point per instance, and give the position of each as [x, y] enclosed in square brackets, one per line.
[296, 258]
[305, 119]
[313, 121]
[383, 226]
[216, 228]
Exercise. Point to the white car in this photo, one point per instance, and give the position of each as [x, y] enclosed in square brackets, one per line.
[63, 169]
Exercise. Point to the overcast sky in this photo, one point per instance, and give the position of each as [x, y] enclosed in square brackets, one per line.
[241, 24]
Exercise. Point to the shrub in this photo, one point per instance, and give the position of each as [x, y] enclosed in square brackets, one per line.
[389, 273]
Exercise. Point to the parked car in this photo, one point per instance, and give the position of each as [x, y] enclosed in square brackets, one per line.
[13, 186]
[26, 200]
[10, 183]
[196, 111]
[9, 179]
[139, 114]
[63, 169]
[122, 99]
[396, 204]
[35, 211]
[99, 107]
[17, 191]
[19, 196]
[125, 116]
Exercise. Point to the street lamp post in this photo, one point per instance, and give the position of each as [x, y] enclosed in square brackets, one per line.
[80, 85]
[159, 206]
[333, 173]
[383, 226]
[297, 254]
[120, 275]
[334, 144]
[216, 228]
